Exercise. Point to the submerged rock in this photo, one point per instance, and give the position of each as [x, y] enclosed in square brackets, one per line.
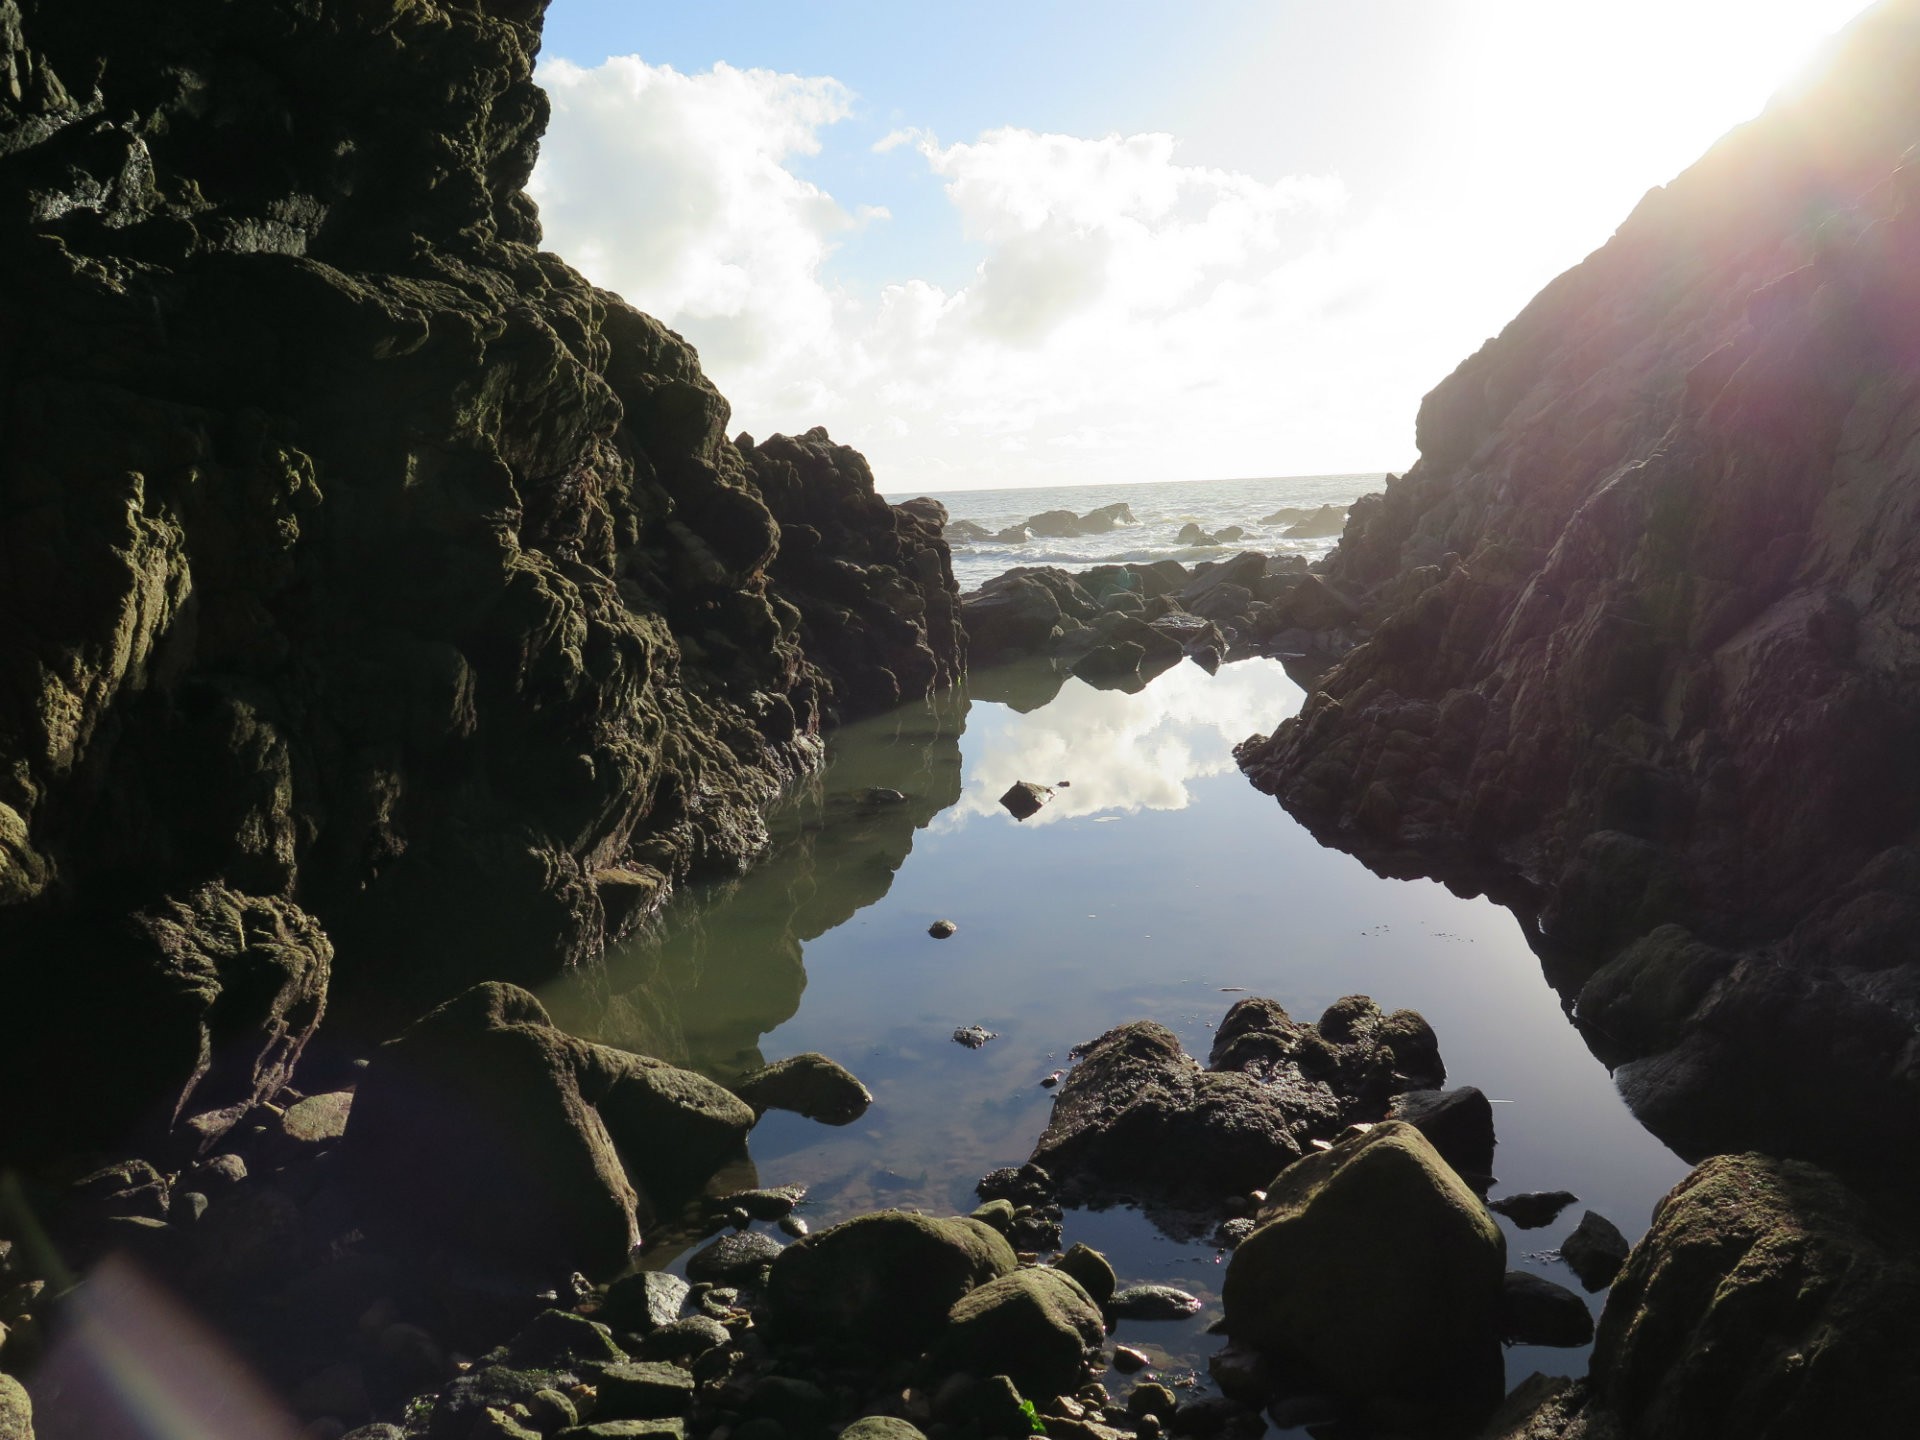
[1373, 1266]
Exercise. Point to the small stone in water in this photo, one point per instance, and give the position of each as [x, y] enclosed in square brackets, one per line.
[1154, 1302]
[941, 929]
[1127, 1360]
[794, 1226]
[974, 1036]
[1048, 1082]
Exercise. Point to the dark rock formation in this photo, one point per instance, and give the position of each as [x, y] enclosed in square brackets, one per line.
[1139, 1118]
[1767, 1300]
[1643, 649]
[363, 565]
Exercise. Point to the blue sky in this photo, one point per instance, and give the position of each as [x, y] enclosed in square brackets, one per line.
[1046, 243]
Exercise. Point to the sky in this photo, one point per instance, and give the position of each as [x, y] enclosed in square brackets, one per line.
[1062, 243]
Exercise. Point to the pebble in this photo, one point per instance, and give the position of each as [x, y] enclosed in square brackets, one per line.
[1128, 1360]
[941, 929]
[1154, 1302]
[974, 1036]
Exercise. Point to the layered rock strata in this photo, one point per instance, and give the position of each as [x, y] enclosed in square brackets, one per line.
[1644, 659]
[385, 605]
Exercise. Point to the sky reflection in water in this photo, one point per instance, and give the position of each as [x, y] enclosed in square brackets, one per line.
[1159, 885]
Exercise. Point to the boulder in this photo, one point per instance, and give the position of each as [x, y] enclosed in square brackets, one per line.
[1192, 534]
[809, 1085]
[1140, 1118]
[1107, 517]
[1373, 1266]
[484, 1132]
[1457, 1123]
[475, 1132]
[966, 530]
[645, 1301]
[1329, 520]
[1010, 616]
[1595, 1251]
[1768, 1300]
[1024, 798]
[1034, 1326]
[881, 1427]
[1533, 1208]
[1054, 524]
[882, 1282]
[1091, 1270]
[1535, 1311]
[641, 1390]
[16, 1410]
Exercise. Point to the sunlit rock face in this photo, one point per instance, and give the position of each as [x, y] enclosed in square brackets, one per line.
[354, 553]
[1646, 615]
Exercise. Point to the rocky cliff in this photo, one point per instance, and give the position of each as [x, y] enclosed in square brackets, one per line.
[1644, 659]
[385, 606]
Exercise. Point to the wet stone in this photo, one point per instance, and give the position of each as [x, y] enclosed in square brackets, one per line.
[643, 1303]
[974, 1036]
[643, 1390]
[1154, 1302]
[941, 929]
[1595, 1251]
[686, 1339]
[743, 1255]
[1533, 1208]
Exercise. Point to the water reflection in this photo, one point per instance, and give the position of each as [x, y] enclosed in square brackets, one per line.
[1124, 752]
[725, 964]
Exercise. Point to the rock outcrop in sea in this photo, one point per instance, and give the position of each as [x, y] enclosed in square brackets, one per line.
[1644, 660]
[386, 606]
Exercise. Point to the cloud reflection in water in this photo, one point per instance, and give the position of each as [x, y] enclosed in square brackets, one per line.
[1123, 753]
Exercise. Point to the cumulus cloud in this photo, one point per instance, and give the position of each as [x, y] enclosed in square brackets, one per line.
[1129, 316]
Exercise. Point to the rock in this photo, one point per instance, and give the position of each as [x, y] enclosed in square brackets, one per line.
[1016, 614]
[664, 1428]
[1054, 524]
[1012, 535]
[557, 1338]
[1128, 1360]
[1374, 1267]
[317, 1120]
[809, 1085]
[1595, 1251]
[881, 1427]
[1102, 665]
[1192, 534]
[966, 531]
[1227, 534]
[16, 1410]
[797, 1404]
[1535, 1311]
[1623, 678]
[1025, 798]
[644, 1302]
[941, 929]
[1106, 518]
[1532, 1209]
[973, 1036]
[884, 1281]
[685, 1340]
[1091, 1270]
[1151, 1398]
[1327, 521]
[1457, 1123]
[769, 1203]
[741, 1256]
[1034, 1326]
[282, 628]
[1153, 1302]
[1767, 1300]
[997, 1213]
[1138, 1117]
[476, 1131]
[642, 1390]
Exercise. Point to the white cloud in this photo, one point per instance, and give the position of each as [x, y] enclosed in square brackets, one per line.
[1130, 316]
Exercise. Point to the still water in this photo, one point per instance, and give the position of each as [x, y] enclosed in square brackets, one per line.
[1157, 884]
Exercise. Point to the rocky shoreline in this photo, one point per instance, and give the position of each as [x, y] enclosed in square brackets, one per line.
[393, 625]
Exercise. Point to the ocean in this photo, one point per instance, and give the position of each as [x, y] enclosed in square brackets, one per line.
[1162, 508]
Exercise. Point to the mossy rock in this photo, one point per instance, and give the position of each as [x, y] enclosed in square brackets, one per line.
[1767, 1301]
[1033, 1326]
[883, 1282]
[1375, 1266]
